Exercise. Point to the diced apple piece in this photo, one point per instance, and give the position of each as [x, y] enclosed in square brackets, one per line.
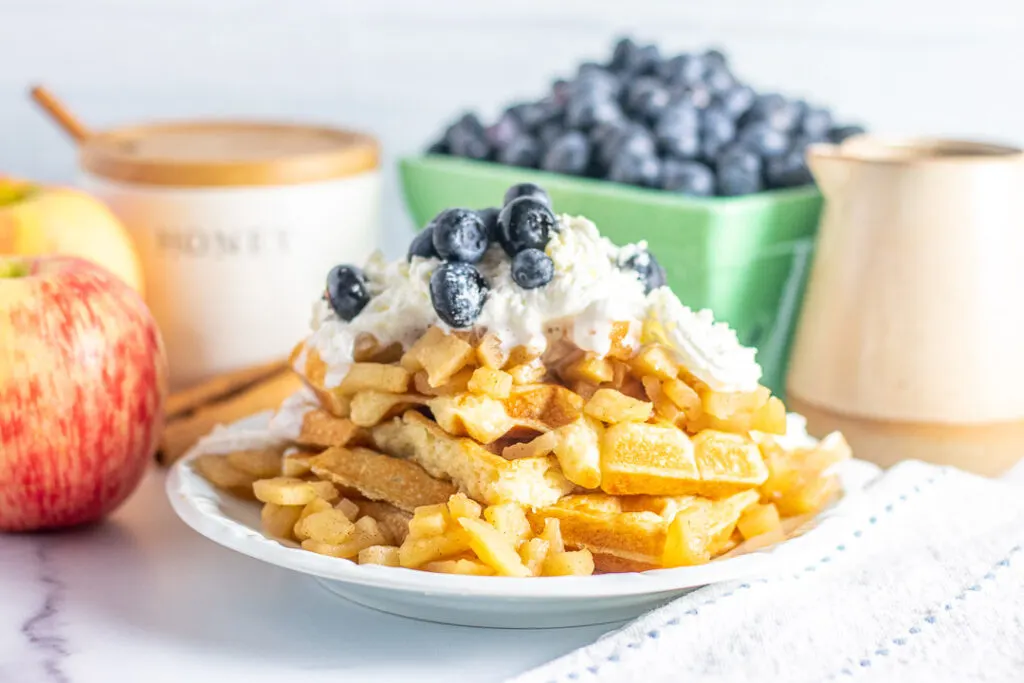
[758, 520]
[589, 368]
[460, 505]
[493, 548]
[416, 552]
[490, 382]
[578, 450]
[375, 376]
[654, 360]
[611, 406]
[571, 563]
[429, 520]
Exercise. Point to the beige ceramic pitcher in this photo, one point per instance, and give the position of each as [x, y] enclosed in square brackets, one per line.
[911, 338]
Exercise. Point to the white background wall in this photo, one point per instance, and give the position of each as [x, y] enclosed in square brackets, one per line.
[402, 68]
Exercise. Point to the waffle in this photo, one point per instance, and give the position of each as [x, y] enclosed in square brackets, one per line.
[378, 477]
[640, 533]
[524, 464]
[482, 475]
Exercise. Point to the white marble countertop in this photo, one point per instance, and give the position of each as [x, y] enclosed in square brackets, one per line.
[143, 598]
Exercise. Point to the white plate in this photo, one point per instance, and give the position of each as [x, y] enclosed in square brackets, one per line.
[482, 600]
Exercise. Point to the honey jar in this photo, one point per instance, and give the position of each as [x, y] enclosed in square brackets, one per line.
[236, 224]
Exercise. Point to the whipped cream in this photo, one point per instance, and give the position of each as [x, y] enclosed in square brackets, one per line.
[588, 294]
[709, 350]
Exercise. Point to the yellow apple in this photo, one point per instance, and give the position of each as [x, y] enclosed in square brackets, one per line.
[36, 220]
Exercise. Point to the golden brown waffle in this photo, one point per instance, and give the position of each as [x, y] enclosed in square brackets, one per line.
[686, 529]
[378, 477]
[479, 473]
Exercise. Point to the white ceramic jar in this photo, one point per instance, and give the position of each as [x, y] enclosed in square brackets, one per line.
[237, 225]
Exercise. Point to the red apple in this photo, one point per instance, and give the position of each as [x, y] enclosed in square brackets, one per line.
[82, 383]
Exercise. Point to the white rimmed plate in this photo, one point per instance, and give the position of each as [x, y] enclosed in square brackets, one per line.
[482, 600]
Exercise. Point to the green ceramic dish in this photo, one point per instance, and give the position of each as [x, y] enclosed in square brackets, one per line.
[745, 258]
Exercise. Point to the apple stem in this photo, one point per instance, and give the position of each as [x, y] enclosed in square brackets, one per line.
[13, 269]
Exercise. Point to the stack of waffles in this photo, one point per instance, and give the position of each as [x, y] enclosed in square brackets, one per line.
[627, 457]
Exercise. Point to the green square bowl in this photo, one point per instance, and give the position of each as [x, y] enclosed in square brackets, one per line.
[745, 258]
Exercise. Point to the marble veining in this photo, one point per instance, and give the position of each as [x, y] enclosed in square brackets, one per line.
[42, 628]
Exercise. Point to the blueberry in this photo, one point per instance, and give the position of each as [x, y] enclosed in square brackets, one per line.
[777, 111]
[462, 142]
[787, 116]
[459, 235]
[489, 217]
[470, 123]
[687, 177]
[715, 57]
[636, 140]
[763, 105]
[602, 133]
[679, 114]
[527, 190]
[569, 154]
[737, 100]
[697, 95]
[716, 121]
[523, 151]
[590, 67]
[532, 268]
[647, 268]
[533, 115]
[682, 70]
[840, 133]
[788, 170]
[646, 98]
[439, 147]
[422, 244]
[635, 169]
[560, 91]
[737, 178]
[623, 54]
[647, 60]
[632, 59]
[632, 138]
[587, 111]
[595, 83]
[506, 129]
[525, 223]
[719, 80]
[682, 144]
[739, 157]
[346, 291]
[816, 123]
[803, 141]
[718, 131]
[678, 131]
[764, 139]
[711, 146]
[458, 292]
[548, 133]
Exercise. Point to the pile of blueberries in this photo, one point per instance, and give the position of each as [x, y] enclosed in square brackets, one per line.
[682, 124]
[460, 237]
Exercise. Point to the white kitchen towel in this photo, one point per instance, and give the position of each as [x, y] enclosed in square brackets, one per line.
[927, 585]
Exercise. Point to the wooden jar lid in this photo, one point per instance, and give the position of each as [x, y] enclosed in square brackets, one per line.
[227, 153]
